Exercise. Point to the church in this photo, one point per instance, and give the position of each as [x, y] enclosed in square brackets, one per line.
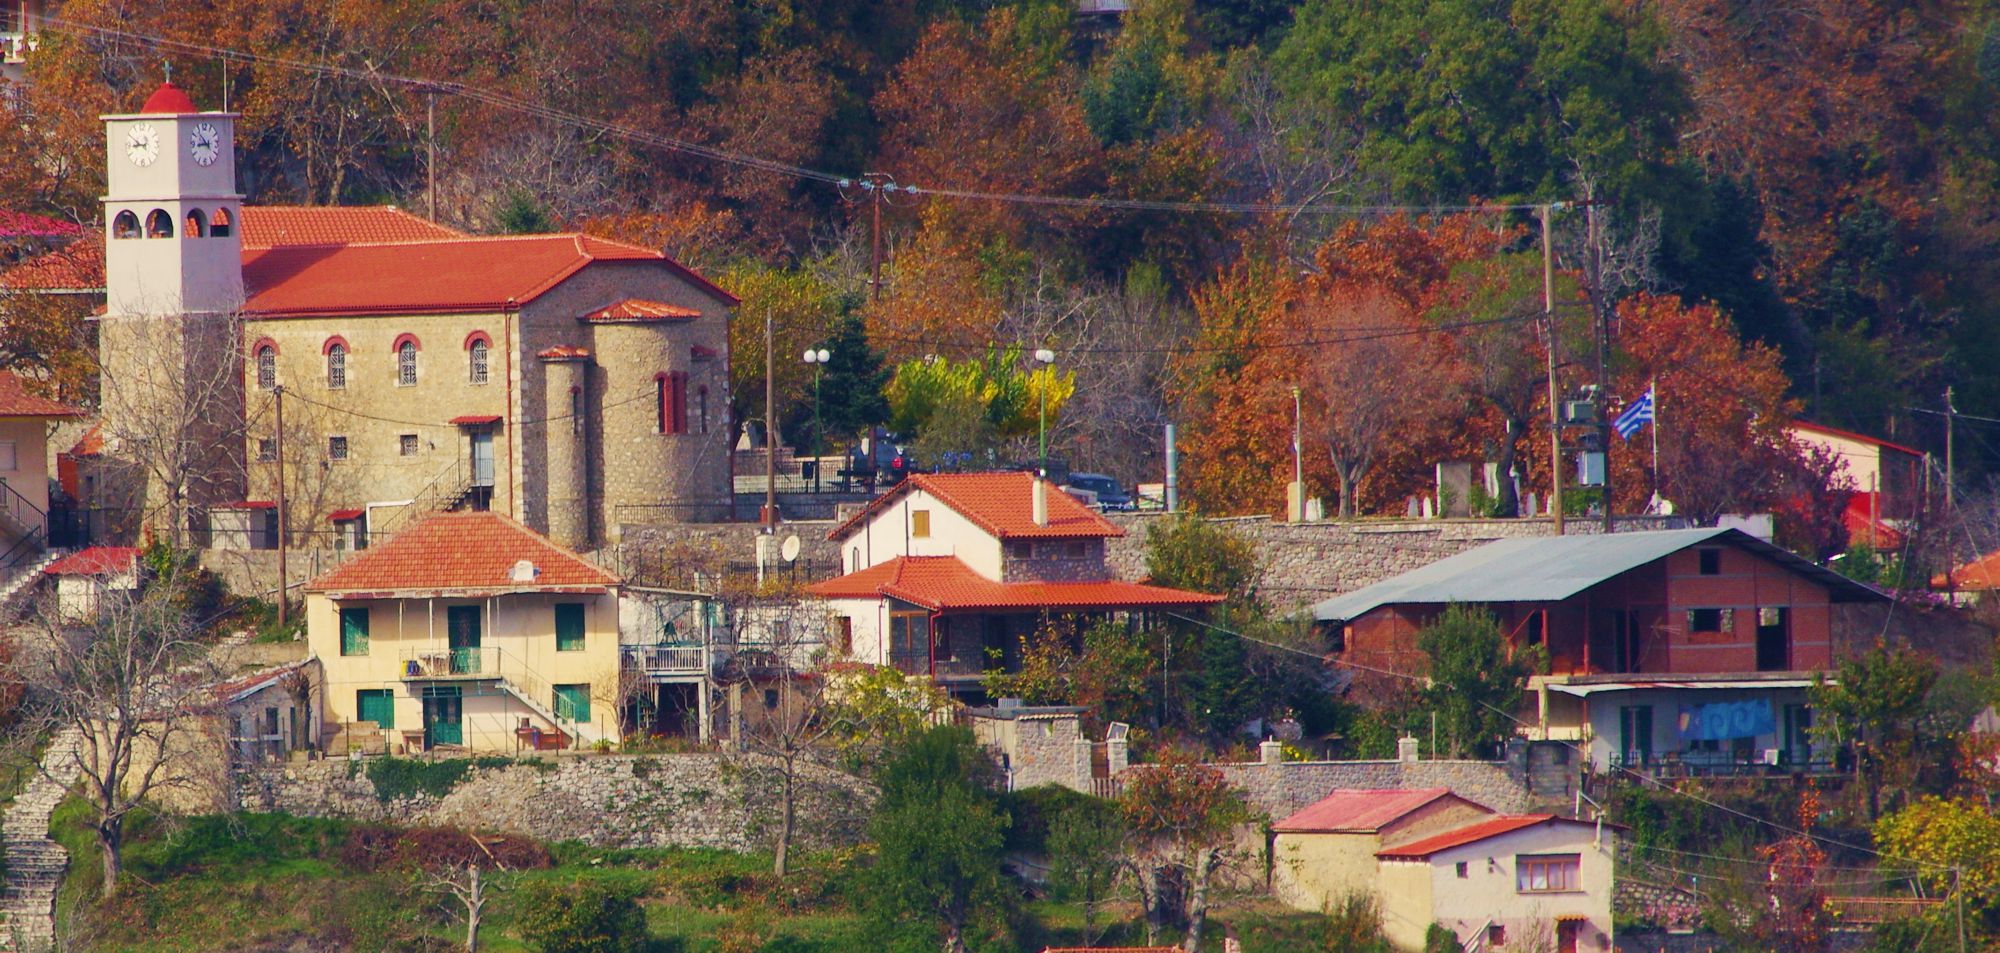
[570, 382]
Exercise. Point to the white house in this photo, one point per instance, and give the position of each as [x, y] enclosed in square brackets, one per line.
[947, 572]
[84, 578]
[1523, 881]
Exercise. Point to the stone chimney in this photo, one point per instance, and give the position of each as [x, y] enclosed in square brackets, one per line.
[1408, 748]
[1039, 493]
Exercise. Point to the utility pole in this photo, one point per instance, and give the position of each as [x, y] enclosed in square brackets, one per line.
[770, 427]
[284, 580]
[1950, 475]
[1600, 304]
[1555, 409]
[875, 183]
[430, 151]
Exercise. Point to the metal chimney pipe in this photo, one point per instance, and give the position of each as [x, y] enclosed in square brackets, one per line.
[1173, 472]
[1039, 490]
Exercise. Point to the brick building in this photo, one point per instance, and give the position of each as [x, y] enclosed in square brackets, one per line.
[567, 381]
[1677, 648]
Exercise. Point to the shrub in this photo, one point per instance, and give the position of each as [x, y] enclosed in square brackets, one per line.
[373, 847]
[408, 777]
[584, 919]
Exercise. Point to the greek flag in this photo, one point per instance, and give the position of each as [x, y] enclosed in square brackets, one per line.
[1635, 416]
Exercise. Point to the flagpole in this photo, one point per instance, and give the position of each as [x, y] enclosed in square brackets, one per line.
[1653, 389]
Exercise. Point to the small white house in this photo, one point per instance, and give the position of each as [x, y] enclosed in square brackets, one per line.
[1524, 881]
[84, 578]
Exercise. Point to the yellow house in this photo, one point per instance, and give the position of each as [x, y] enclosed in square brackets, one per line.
[24, 471]
[469, 630]
[1327, 850]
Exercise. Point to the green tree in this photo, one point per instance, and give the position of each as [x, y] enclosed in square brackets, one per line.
[1012, 401]
[879, 710]
[940, 833]
[1437, 939]
[1086, 848]
[520, 214]
[1949, 839]
[1189, 552]
[1107, 667]
[1875, 702]
[850, 398]
[587, 918]
[1507, 99]
[1476, 679]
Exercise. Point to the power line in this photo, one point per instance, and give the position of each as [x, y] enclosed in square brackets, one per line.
[732, 157]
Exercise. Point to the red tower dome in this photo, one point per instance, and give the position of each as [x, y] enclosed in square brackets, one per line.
[168, 100]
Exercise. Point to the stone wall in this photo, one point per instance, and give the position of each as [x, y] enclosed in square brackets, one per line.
[672, 555]
[680, 800]
[254, 572]
[1283, 788]
[1304, 563]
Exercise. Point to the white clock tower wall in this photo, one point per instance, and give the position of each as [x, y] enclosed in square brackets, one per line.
[173, 219]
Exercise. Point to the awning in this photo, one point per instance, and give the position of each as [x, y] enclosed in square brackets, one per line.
[475, 420]
[1582, 691]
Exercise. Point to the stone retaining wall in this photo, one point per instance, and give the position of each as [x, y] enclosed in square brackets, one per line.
[1282, 789]
[1303, 563]
[681, 800]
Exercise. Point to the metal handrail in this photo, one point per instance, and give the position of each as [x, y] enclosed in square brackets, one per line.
[19, 507]
[1478, 942]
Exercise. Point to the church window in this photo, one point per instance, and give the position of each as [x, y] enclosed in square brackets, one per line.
[336, 448]
[660, 402]
[197, 224]
[126, 225]
[336, 366]
[267, 367]
[576, 410]
[406, 363]
[673, 402]
[218, 227]
[159, 224]
[701, 404]
[476, 359]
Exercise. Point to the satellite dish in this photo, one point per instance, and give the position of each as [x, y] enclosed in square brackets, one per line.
[789, 548]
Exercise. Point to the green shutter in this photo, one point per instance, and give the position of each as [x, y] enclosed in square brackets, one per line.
[569, 626]
[377, 705]
[354, 631]
[573, 702]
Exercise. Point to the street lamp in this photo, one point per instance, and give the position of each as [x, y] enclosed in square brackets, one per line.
[818, 359]
[1045, 356]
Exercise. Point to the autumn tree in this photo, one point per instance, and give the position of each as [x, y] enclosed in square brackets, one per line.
[1183, 817]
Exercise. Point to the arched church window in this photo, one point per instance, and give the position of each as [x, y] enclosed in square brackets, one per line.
[701, 403]
[218, 226]
[476, 360]
[159, 224]
[336, 365]
[197, 224]
[406, 363]
[126, 225]
[267, 367]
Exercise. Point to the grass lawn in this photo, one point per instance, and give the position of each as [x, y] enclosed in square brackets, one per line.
[263, 883]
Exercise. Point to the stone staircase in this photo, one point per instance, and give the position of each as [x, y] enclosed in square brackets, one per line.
[17, 583]
[35, 863]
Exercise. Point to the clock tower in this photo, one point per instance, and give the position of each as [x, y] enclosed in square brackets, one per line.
[173, 221]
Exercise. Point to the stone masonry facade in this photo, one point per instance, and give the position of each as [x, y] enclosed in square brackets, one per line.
[1283, 788]
[682, 800]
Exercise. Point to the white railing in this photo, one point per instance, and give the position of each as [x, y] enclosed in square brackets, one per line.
[668, 659]
[1103, 6]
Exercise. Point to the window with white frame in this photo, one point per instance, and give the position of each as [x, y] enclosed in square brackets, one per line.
[406, 364]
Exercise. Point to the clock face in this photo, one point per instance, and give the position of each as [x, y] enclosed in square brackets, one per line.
[142, 144]
[204, 144]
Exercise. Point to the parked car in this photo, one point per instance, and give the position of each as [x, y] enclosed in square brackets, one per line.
[1111, 498]
[884, 462]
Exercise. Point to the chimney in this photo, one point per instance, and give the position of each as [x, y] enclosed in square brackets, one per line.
[1040, 494]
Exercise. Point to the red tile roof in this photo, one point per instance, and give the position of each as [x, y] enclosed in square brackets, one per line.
[474, 420]
[998, 503]
[338, 516]
[77, 267]
[95, 561]
[1361, 809]
[1471, 834]
[1979, 575]
[15, 401]
[463, 552]
[945, 584]
[91, 444]
[27, 225]
[266, 226]
[441, 277]
[635, 310]
[563, 352]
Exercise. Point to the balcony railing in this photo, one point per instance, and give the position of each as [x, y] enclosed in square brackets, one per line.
[1725, 764]
[431, 664]
[667, 659]
[911, 664]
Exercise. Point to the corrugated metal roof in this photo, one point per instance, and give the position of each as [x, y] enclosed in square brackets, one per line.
[1554, 568]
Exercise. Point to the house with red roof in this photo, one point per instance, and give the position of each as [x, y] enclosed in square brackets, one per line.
[1888, 480]
[1424, 856]
[468, 631]
[565, 380]
[84, 578]
[949, 571]
[26, 419]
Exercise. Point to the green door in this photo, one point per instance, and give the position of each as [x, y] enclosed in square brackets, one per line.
[377, 705]
[444, 711]
[462, 629]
